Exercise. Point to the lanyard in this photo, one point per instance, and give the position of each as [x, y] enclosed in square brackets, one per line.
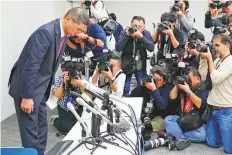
[218, 65]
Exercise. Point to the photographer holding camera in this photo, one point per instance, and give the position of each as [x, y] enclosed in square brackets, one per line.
[190, 93]
[113, 76]
[155, 92]
[217, 13]
[185, 20]
[134, 43]
[69, 81]
[167, 35]
[219, 125]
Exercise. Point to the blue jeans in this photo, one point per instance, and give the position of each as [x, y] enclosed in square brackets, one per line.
[138, 75]
[219, 129]
[173, 129]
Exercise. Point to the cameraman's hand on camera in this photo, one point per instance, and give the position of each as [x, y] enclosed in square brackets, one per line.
[107, 74]
[214, 13]
[180, 13]
[185, 87]
[207, 55]
[66, 77]
[150, 85]
[77, 83]
[81, 36]
[137, 34]
[227, 33]
[168, 32]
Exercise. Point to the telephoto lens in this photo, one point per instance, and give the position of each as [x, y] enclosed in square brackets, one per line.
[153, 143]
[146, 128]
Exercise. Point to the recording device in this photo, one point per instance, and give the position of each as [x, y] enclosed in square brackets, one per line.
[147, 78]
[163, 26]
[204, 47]
[146, 128]
[103, 66]
[193, 39]
[223, 17]
[133, 29]
[74, 68]
[175, 8]
[154, 143]
[87, 3]
[181, 80]
[215, 5]
[219, 30]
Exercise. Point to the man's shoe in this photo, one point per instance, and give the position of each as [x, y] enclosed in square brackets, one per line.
[53, 118]
[182, 144]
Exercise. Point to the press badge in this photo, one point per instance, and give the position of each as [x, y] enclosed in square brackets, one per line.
[137, 58]
[67, 58]
[149, 105]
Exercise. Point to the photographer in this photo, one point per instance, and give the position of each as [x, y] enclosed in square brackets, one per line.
[134, 43]
[191, 54]
[216, 9]
[155, 91]
[219, 125]
[63, 85]
[191, 95]
[119, 29]
[167, 35]
[185, 20]
[113, 76]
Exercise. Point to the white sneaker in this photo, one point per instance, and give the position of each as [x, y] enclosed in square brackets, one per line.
[53, 118]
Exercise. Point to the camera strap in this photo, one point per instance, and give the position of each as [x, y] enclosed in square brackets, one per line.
[220, 62]
[108, 83]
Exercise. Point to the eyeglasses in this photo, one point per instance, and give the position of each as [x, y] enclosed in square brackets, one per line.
[79, 30]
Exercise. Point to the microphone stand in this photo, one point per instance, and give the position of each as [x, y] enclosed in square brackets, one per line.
[107, 105]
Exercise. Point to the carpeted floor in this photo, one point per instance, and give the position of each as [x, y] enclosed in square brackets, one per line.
[10, 138]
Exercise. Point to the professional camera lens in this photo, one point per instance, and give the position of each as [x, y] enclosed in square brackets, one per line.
[219, 30]
[87, 3]
[103, 66]
[163, 26]
[153, 143]
[132, 29]
[191, 45]
[73, 74]
[175, 8]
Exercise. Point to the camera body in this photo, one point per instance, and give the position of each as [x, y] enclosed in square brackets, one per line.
[163, 26]
[193, 39]
[215, 5]
[103, 66]
[181, 80]
[204, 47]
[74, 68]
[175, 8]
[133, 29]
[147, 78]
[87, 3]
[219, 30]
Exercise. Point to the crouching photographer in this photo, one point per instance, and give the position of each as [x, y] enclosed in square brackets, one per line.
[69, 81]
[109, 76]
[190, 93]
[155, 92]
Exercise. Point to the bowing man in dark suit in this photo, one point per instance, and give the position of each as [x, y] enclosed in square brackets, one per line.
[33, 73]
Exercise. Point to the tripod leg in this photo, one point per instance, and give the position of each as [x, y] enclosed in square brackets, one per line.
[104, 147]
[110, 142]
[97, 145]
[75, 148]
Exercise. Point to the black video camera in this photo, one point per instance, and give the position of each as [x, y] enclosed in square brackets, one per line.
[133, 29]
[175, 8]
[181, 80]
[219, 30]
[215, 5]
[204, 47]
[163, 26]
[103, 66]
[193, 39]
[74, 68]
[147, 78]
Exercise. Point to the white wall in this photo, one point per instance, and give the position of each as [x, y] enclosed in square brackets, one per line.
[19, 19]
[152, 10]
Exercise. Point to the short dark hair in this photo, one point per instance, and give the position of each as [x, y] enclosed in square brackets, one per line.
[167, 16]
[138, 18]
[113, 16]
[161, 71]
[79, 15]
[186, 2]
[224, 39]
[229, 19]
[194, 71]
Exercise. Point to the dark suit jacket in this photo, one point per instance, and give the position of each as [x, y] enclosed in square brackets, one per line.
[33, 73]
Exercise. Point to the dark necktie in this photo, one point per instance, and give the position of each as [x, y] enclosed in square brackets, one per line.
[60, 46]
